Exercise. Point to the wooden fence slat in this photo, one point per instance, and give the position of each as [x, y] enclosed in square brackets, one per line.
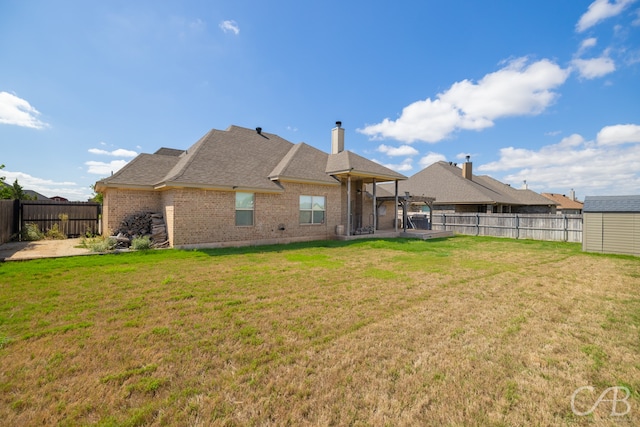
[7, 220]
[72, 218]
[556, 227]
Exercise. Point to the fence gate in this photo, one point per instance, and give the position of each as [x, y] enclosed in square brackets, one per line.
[72, 218]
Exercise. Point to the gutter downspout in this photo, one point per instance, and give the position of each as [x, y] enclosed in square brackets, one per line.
[348, 205]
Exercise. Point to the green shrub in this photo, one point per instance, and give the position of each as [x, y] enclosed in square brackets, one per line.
[100, 243]
[31, 232]
[141, 243]
[54, 233]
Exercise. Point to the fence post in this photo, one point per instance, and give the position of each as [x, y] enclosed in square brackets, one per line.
[444, 221]
[565, 222]
[517, 226]
[477, 224]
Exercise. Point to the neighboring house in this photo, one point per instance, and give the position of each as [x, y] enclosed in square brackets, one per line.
[59, 199]
[32, 195]
[611, 224]
[242, 186]
[455, 189]
[566, 205]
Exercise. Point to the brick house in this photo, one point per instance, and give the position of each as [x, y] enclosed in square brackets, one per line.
[243, 187]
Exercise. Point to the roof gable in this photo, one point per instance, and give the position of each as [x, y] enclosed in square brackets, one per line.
[303, 163]
[236, 158]
[143, 171]
[348, 162]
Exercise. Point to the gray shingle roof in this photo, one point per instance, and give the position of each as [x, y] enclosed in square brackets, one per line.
[169, 151]
[445, 182]
[233, 158]
[350, 162]
[303, 163]
[611, 204]
[238, 158]
[144, 170]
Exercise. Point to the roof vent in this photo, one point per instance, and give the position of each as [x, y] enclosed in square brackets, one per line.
[259, 130]
[338, 123]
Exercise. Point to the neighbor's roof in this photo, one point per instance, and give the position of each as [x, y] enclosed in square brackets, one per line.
[623, 204]
[563, 201]
[444, 182]
[234, 159]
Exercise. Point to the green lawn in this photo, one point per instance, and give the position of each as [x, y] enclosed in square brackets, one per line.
[460, 331]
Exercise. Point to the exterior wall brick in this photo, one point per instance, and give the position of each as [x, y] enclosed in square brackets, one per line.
[201, 218]
[204, 216]
[118, 204]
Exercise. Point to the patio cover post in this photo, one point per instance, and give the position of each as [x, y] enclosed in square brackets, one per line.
[375, 210]
[395, 210]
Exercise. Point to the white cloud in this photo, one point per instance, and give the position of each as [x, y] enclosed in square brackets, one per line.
[404, 166]
[586, 44]
[587, 166]
[115, 153]
[619, 134]
[48, 187]
[594, 67]
[17, 111]
[431, 158]
[105, 169]
[600, 10]
[403, 150]
[230, 26]
[517, 89]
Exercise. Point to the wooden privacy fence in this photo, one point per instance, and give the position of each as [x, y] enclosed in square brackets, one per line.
[73, 218]
[565, 228]
[8, 218]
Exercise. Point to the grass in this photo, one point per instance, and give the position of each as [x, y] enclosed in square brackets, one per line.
[463, 331]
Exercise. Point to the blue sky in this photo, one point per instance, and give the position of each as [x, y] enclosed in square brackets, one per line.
[545, 91]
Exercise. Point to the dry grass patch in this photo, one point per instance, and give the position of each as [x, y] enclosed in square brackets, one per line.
[464, 331]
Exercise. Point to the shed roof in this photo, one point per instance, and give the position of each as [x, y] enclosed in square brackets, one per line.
[611, 204]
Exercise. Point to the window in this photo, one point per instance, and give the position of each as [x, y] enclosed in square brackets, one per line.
[244, 208]
[312, 209]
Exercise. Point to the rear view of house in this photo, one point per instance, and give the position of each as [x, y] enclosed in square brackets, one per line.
[244, 186]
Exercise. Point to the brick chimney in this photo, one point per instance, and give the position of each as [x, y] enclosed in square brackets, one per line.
[467, 168]
[337, 139]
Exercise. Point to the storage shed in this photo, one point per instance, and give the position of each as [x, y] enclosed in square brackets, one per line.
[611, 224]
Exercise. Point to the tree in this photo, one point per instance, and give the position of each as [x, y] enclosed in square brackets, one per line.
[14, 192]
[2, 178]
[97, 197]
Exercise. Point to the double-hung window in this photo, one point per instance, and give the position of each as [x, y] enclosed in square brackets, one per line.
[312, 209]
[244, 208]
